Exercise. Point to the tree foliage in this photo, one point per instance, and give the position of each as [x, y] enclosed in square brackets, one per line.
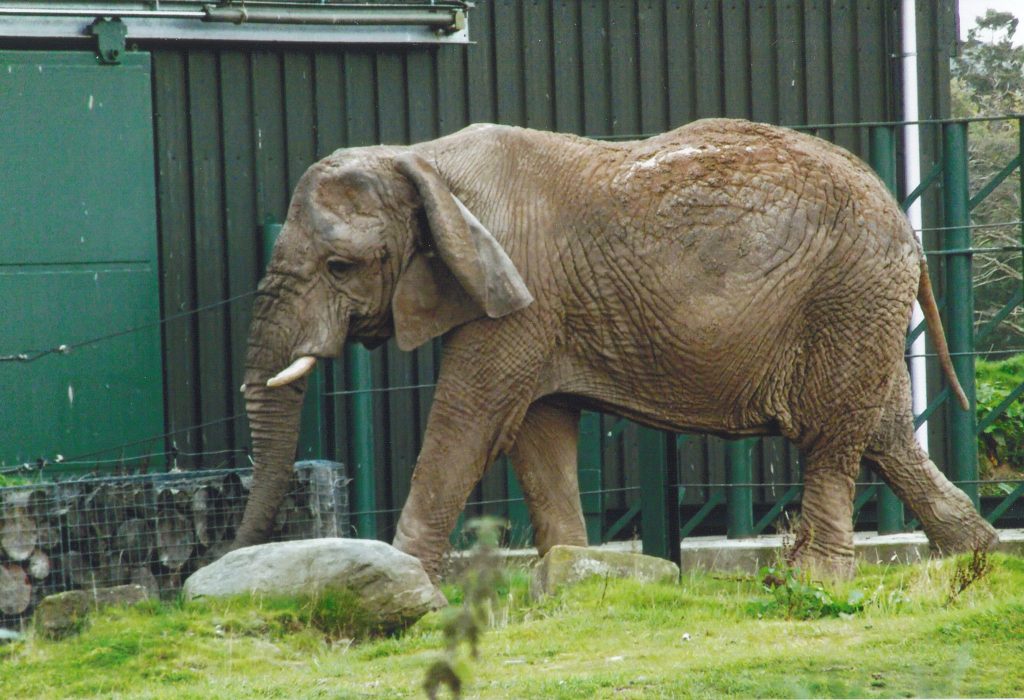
[988, 80]
[990, 68]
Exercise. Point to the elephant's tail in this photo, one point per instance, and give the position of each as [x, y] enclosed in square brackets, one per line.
[926, 299]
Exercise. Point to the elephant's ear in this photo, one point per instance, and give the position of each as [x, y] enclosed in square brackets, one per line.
[467, 274]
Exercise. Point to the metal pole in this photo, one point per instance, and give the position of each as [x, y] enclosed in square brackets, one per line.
[590, 475]
[960, 304]
[739, 502]
[883, 160]
[360, 379]
[912, 178]
[520, 531]
[658, 496]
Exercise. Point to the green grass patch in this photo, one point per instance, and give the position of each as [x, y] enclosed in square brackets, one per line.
[707, 636]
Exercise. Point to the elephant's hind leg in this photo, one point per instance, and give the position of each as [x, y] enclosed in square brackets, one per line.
[824, 538]
[946, 513]
[544, 459]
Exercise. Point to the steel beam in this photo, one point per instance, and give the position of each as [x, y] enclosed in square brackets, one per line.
[360, 380]
[739, 502]
[589, 466]
[883, 160]
[659, 513]
[960, 304]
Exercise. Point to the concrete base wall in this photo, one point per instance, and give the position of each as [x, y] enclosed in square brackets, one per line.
[747, 556]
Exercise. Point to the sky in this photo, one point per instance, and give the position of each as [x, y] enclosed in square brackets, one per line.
[969, 9]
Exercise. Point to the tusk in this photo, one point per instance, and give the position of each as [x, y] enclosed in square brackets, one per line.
[241, 389]
[300, 368]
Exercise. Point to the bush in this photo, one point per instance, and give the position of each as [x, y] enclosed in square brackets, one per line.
[1001, 443]
[795, 596]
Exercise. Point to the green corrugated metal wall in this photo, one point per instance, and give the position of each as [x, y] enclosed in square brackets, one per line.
[78, 259]
[237, 125]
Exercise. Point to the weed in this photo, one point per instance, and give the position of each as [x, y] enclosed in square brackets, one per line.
[967, 572]
[796, 596]
[481, 582]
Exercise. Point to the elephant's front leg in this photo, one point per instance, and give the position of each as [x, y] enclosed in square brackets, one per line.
[459, 444]
[483, 391]
[544, 459]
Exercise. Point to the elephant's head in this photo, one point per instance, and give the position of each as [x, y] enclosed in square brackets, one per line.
[375, 244]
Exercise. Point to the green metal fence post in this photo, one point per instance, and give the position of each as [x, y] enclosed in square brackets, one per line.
[883, 160]
[360, 377]
[520, 532]
[960, 304]
[739, 502]
[659, 497]
[589, 464]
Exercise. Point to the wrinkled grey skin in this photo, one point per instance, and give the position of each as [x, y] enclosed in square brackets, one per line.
[724, 277]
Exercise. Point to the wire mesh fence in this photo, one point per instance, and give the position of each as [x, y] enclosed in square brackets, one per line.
[152, 530]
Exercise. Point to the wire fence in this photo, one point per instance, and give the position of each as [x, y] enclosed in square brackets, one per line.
[153, 530]
[67, 348]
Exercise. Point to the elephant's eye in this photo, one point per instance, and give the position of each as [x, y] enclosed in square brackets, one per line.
[340, 267]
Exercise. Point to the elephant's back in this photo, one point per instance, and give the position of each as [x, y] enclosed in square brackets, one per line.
[733, 219]
[745, 197]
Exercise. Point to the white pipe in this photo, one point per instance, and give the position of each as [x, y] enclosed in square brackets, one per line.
[912, 178]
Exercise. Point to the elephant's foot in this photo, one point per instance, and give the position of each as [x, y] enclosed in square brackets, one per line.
[959, 529]
[822, 559]
[947, 515]
[427, 550]
[569, 533]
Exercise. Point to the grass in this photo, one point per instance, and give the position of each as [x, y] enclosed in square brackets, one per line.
[709, 636]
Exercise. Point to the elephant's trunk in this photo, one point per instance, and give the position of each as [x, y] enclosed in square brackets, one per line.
[274, 412]
[274, 421]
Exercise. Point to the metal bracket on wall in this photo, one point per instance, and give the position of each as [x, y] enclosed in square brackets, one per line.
[110, 36]
[291, 21]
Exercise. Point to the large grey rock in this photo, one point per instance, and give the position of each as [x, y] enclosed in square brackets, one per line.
[565, 564]
[61, 614]
[390, 586]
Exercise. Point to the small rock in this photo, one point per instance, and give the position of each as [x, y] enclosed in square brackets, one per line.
[565, 564]
[61, 614]
[391, 587]
[7, 636]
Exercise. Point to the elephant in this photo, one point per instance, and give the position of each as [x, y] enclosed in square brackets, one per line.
[727, 277]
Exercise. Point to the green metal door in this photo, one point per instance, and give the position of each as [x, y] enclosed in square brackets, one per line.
[78, 259]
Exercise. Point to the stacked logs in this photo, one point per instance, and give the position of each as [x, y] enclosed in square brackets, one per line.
[151, 530]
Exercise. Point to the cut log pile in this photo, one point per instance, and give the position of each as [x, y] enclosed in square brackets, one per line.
[151, 530]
